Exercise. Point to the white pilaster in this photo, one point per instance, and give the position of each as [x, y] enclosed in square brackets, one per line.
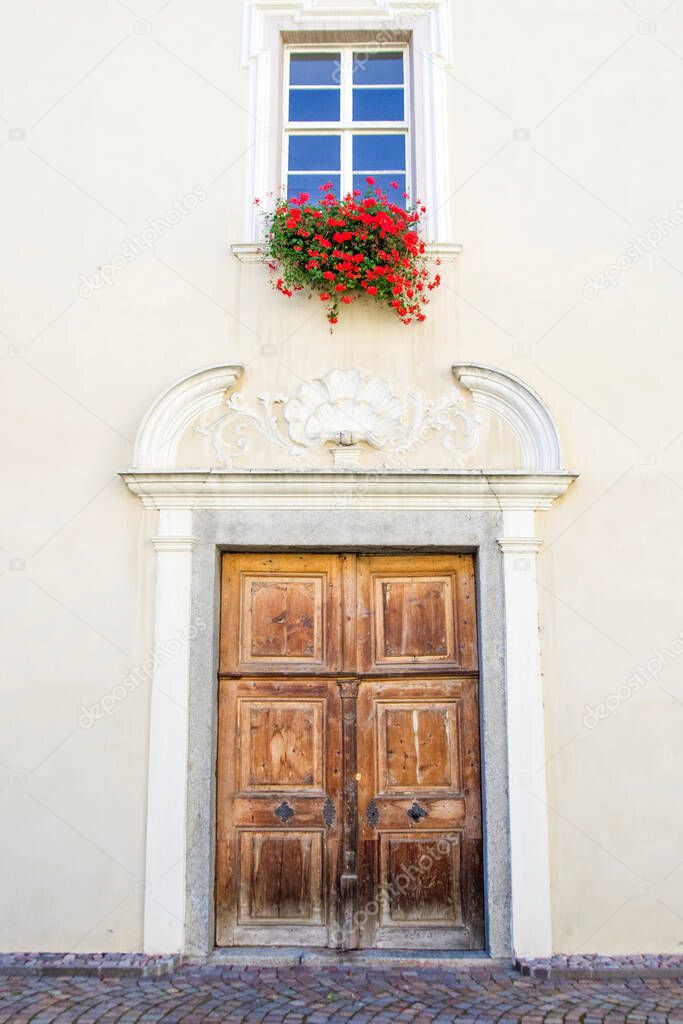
[167, 785]
[529, 851]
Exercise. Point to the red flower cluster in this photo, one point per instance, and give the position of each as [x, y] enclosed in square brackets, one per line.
[346, 248]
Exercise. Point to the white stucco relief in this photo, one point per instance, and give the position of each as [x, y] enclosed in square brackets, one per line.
[344, 408]
[218, 418]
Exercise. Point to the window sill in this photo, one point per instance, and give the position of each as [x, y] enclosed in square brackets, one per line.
[252, 252]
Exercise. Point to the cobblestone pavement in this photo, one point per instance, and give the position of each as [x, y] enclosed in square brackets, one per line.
[315, 995]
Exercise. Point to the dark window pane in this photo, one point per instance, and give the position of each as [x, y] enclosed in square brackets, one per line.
[383, 181]
[314, 69]
[311, 183]
[313, 104]
[378, 104]
[314, 152]
[377, 68]
[377, 152]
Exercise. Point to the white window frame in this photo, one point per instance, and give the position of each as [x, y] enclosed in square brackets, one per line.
[346, 127]
[270, 25]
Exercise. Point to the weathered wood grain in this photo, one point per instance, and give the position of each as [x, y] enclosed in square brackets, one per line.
[348, 774]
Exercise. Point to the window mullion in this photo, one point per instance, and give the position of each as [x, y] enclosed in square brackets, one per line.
[347, 162]
[346, 112]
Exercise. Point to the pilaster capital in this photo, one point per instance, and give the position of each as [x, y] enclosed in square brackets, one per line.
[173, 543]
[520, 545]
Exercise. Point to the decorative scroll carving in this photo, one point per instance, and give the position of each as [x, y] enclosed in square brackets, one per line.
[346, 408]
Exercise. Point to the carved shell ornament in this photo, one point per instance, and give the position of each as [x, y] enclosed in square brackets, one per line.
[346, 407]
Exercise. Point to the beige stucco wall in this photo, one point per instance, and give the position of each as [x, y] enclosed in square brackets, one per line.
[122, 117]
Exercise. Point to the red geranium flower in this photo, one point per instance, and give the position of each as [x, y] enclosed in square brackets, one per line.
[344, 247]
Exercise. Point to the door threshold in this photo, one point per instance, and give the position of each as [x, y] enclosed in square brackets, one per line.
[295, 956]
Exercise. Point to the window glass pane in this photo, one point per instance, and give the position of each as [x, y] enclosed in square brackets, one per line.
[314, 152]
[314, 69]
[379, 152]
[313, 104]
[378, 104]
[311, 183]
[383, 181]
[377, 68]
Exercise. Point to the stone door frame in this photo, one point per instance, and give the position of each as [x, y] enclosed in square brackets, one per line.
[200, 513]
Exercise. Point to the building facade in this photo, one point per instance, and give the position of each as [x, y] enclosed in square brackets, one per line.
[350, 637]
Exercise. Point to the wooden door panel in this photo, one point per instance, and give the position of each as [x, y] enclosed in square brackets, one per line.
[322, 814]
[429, 895]
[280, 614]
[281, 877]
[416, 812]
[420, 812]
[278, 811]
[417, 613]
[417, 745]
[281, 744]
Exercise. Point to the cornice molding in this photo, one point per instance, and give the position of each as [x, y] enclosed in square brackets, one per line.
[392, 15]
[521, 408]
[340, 490]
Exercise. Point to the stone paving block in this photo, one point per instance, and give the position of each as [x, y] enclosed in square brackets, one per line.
[318, 995]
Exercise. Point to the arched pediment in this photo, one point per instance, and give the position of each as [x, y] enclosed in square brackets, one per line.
[518, 405]
[177, 410]
[360, 420]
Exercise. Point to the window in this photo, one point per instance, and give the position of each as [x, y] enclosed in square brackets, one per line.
[346, 119]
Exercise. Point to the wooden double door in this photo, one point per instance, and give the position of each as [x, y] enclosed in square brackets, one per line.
[348, 773]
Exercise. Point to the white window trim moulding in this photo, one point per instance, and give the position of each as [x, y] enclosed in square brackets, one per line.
[429, 24]
[173, 495]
